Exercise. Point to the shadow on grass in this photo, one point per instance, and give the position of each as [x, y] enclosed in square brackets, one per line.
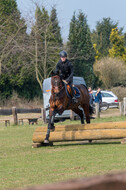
[87, 143]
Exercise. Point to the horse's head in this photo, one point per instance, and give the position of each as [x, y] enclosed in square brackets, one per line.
[56, 83]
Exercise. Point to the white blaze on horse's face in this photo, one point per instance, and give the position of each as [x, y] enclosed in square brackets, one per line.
[56, 85]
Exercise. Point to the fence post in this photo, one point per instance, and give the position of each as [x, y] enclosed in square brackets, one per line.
[124, 105]
[121, 108]
[71, 115]
[14, 112]
[43, 113]
[97, 110]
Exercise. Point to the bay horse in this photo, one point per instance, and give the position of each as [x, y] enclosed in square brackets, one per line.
[60, 101]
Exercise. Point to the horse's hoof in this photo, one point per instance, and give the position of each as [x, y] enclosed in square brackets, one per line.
[46, 141]
[52, 128]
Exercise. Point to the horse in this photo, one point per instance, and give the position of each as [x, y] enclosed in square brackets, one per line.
[60, 101]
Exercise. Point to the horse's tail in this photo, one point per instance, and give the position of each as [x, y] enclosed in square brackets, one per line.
[91, 110]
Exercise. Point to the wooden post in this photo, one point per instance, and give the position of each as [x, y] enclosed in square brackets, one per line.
[97, 110]
[124, 103]
[71, 115]
[121, 108]
[43, 112]
[14, 112]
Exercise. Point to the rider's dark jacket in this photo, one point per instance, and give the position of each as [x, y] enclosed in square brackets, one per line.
[65, 70]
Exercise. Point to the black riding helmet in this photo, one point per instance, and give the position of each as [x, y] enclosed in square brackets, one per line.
[63, 54]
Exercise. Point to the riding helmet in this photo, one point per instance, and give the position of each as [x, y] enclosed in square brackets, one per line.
[63, 54]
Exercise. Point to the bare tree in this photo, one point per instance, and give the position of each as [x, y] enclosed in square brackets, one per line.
[9, 41]
[42, 47]
[39, 47]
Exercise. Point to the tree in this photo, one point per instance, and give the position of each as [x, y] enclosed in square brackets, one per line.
[80, 48]
[45, 43]
[111, 71]
[9, 31]
[101, 36]
[118, 45]
[7, 12]
[14, 62]
[55, 28]
[125, 39]
[97, 54]
[72, 43]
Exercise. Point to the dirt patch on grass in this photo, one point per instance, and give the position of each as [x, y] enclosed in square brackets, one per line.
[110, 113]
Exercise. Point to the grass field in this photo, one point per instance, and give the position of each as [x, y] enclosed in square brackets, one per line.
[22, 166]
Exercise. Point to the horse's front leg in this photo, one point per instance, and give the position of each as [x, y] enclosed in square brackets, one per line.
[51, 122]
[51, 126]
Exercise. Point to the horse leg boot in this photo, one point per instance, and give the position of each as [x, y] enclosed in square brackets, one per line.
[51, 127]
[46, 141]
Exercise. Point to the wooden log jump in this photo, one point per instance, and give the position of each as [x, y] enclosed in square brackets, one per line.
[95, 131]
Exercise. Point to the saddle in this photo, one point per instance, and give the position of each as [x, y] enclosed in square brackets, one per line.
[69, 91]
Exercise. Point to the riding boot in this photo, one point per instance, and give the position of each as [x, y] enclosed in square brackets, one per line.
[74, 99]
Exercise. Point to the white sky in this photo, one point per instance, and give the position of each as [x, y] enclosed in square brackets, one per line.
[94, 9]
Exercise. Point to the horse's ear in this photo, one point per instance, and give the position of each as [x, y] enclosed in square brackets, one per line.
[57, 73]
[53, 73]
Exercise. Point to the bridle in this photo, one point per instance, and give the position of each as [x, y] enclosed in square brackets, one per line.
[55, 84]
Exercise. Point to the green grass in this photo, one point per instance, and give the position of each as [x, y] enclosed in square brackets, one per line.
[22, 166]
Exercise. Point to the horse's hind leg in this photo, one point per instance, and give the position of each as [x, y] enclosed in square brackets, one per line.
[86, 111]
[80, 113]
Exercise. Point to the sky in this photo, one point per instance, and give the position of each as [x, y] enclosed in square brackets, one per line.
[95, 10]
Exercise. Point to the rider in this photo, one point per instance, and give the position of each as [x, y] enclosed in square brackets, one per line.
[65, 69]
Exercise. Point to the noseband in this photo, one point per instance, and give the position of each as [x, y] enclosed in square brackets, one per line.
[57, 83]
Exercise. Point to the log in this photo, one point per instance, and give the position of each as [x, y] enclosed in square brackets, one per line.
[80, 135]
[75, 127]
[108, 130]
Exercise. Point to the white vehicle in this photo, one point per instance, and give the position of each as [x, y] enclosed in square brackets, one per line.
[47, 94]
[109, 99]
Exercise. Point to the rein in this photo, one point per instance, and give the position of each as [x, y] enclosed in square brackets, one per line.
[57, 94]
[60, 94]
[65, 86]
